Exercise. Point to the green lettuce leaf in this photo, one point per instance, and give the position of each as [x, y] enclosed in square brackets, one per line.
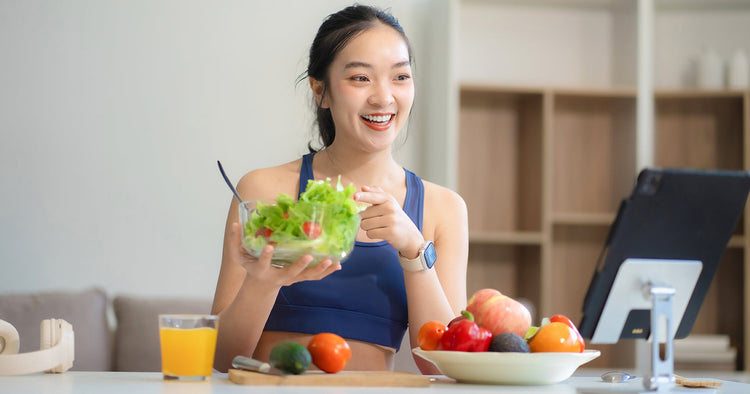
[331, 207]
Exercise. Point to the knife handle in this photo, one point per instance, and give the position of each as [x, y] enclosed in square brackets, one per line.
[250, 364]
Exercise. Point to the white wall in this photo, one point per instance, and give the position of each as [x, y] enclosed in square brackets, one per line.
[112, 117]
[537, 43]
[681, 31]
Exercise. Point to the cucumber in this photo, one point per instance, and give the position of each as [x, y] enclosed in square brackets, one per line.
[291, 357]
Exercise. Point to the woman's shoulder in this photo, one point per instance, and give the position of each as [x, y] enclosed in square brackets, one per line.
[445, 213]
[437, 195]
[267, 182]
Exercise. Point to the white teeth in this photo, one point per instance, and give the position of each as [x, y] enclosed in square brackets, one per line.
[378, 118]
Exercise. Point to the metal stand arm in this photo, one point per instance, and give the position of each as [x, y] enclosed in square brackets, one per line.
[662, 370]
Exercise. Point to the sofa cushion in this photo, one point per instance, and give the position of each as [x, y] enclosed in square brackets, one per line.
[85, 310]
[137, 340]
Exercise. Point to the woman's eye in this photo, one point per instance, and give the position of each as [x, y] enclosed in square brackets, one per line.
[359, 78]
[403, 77]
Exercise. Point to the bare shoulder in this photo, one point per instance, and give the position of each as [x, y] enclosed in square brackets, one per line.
[445, 211]
[268, 182]
[440, 197]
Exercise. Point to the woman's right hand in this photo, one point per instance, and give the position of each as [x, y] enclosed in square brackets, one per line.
[260, 269]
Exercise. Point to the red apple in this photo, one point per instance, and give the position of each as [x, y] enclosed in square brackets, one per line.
[499, 313]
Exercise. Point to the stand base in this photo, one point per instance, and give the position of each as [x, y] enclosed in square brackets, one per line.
[662, 286]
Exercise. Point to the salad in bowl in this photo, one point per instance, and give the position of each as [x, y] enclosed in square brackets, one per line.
[322, 223]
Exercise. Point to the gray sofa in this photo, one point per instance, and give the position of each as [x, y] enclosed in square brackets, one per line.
[117, 333]
[111, 334]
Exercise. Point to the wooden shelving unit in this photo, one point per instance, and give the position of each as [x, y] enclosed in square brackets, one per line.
[543, 139]
[543, 171]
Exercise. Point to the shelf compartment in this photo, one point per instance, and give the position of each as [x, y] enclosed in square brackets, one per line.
[737, 241]
[575, 253]
[507, 238]
[593, 147]
[722, 311]
[499, 166]
[702, 132]
[583, 219]
[514, 270]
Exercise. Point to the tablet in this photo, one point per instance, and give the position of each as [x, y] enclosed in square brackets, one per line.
[671, 214]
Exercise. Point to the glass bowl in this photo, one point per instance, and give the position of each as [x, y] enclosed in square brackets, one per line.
[297, 229]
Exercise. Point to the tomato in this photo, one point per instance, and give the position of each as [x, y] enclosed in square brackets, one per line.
[312, 229]
[264, 232]
[329, 352]
[556, 337]
[430, 334]
[567, 322]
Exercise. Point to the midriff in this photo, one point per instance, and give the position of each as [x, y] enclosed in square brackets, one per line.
[365, 356]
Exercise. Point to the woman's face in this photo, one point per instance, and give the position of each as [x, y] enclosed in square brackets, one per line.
[371, 90]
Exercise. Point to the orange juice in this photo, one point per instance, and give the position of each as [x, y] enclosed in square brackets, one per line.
[187, 352]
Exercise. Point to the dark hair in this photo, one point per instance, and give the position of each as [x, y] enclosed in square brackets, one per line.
[334, 33]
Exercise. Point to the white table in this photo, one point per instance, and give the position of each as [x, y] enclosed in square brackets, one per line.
[151, 382]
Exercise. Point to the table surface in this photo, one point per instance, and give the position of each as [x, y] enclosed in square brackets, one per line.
[584, 381]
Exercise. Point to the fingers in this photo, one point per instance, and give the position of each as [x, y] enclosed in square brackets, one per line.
[301, 271]
[322, 269]
[372, 195]
[239, 253]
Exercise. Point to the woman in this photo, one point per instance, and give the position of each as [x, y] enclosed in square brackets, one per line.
[360, 75]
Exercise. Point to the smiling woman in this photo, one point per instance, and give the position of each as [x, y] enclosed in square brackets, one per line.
[369, 86]
[361, 78]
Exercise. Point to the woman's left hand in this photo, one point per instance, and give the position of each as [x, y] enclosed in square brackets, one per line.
[385, 219]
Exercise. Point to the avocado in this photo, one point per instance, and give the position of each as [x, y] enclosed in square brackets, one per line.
[508, 342]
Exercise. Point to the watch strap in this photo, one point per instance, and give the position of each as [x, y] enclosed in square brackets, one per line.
[418, 263]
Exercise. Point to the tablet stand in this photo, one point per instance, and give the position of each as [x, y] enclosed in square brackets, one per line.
[664, 287]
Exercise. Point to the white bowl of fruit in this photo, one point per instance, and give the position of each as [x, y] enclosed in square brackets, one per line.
[493, 342]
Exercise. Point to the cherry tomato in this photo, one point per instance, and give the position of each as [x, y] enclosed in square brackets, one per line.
[264, 232]
[569, 323]
[555, 337]
[312, 229]
[430, 334]
[329, 352]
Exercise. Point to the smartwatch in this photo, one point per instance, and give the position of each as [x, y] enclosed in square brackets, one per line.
[424, 261]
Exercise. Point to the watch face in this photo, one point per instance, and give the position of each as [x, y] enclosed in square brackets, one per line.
[429, 255]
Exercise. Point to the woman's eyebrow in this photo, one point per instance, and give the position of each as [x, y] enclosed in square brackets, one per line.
[355, 64]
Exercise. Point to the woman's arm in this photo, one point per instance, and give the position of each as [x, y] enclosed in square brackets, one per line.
[440, 293]
[436, 294]
[247, 287]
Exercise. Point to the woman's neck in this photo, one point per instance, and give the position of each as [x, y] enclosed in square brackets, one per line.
[375, 169]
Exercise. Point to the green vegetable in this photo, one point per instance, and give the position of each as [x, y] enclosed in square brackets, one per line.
[323, 222]
[291, 357]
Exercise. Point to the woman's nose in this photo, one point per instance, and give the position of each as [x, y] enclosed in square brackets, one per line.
[381, 95]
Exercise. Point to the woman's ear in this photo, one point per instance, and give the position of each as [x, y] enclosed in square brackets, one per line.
[319, 88]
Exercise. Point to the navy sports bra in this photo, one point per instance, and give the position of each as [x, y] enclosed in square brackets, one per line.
[365, 300]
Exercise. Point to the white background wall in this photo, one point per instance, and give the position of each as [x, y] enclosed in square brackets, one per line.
[591, 43]
[112, 117]
[113, 113]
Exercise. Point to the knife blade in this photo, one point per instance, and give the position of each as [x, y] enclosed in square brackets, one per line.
[251, 364]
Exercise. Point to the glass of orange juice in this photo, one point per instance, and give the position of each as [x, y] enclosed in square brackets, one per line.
[188, 344]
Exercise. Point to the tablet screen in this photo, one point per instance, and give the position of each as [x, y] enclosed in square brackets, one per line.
[674, 214]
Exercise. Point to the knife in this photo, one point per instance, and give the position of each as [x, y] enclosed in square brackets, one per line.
[251, 364]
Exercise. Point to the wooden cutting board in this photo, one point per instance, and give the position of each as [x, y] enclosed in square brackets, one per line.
[343, 378]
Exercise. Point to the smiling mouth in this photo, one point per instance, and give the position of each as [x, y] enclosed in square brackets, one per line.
[378, 121]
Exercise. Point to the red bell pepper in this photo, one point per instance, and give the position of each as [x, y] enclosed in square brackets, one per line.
[465, 335]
